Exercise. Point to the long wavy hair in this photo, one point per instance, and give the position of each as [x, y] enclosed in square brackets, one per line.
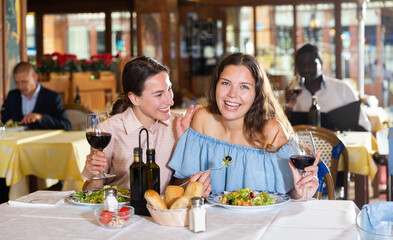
[135, 74]
[264, 107]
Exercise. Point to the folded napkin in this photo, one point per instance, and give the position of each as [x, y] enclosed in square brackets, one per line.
[378, 217]
[41, 198]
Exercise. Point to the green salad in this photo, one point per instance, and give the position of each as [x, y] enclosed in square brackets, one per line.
[11, 124]
[97, 196]
[247, 197]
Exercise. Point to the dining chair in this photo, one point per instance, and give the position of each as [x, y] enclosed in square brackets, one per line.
[389, 167]
[324, 176]
[331, 148]
[77, 114]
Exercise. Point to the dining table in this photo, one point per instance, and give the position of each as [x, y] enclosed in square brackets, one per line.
[360, 146]
[57, 218]
[61, 156]
[47, 154]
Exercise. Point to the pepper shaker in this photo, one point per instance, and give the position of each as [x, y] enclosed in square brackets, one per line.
[197, 215]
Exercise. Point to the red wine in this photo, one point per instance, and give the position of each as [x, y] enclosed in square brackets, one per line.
[301, 161]
[297, 91]
[98, 141]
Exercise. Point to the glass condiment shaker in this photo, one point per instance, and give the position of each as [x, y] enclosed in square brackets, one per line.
[197, 215]
[110, 202]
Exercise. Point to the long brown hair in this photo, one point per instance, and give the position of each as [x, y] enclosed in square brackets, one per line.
[135, 74]
[265, 105]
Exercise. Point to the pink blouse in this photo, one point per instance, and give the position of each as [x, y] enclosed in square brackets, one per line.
[125, 128]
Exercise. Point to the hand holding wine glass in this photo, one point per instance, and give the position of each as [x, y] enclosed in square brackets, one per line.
[293, 90]
[97, 138]
[302, 154]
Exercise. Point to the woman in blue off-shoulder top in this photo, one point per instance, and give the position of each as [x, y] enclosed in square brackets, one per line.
[243, 120]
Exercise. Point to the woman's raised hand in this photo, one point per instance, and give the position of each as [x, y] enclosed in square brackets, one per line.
[184, 122]
[205, 179]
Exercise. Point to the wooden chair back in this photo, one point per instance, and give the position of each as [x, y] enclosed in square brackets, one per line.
[77, 114]
[325, 141]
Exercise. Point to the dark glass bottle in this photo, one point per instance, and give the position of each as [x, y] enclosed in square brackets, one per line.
[138, 183]
[78, 97]
[314, 114]
[152, 171]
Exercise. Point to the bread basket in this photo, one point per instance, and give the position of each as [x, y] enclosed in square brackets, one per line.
[167, 217]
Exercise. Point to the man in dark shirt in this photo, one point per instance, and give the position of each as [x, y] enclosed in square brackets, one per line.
[32, 105]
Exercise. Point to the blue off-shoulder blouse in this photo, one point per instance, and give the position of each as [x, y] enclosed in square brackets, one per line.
[250, 167]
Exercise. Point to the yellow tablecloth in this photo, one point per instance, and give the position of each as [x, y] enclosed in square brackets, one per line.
[9, 154]
[359, 146]
[60, 156]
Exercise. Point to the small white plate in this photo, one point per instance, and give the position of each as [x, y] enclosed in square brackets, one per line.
[16, 129]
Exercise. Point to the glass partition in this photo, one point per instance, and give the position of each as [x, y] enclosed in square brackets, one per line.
[151, 32]
[274, 31]
[316, 25]
[30, 30]
[240, 30]
[121, 34]
[378, 49]
[81, 34]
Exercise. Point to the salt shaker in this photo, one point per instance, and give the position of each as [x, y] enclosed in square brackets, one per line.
[110, 202]
[197, 215]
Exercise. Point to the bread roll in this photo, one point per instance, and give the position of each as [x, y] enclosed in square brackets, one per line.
[194, 189]
[182, 202]
[154, 199]
[172, 193]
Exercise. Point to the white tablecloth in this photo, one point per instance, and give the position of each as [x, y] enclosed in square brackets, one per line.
[315, 219]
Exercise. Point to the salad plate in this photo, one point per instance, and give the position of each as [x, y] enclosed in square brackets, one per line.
[97, 199]
[16, 129]
[279, 199]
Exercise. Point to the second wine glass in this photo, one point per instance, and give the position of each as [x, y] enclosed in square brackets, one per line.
[98, 139]
[303, 153]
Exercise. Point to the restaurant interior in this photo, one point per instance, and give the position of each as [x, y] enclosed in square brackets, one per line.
[79, 49]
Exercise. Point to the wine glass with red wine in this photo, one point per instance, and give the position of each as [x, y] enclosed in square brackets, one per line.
[295, 85]
[98, 139]
[303, 154]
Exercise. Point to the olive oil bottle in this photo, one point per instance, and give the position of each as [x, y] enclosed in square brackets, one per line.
[138, 183]
[152, 171]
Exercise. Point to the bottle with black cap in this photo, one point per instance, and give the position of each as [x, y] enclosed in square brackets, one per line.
[152, 170]
[314, 114]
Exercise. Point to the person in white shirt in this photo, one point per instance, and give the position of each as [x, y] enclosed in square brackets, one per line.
[330, 92]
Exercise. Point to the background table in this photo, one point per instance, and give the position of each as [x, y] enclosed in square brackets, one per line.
[315, 219]
[9, 151]
[44, 153]
[360, 147]
[61, 156]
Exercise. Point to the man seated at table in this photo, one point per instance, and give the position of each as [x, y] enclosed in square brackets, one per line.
[32, 104]
[330, 92]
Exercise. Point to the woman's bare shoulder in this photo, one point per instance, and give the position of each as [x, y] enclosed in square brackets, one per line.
[275, 133]
[202, 120]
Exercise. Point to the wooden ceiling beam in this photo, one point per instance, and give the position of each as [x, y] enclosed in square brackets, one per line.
[74, 6]
[254, 2]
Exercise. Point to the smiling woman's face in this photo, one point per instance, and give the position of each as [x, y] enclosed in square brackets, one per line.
[235, 92]
[155, 101]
